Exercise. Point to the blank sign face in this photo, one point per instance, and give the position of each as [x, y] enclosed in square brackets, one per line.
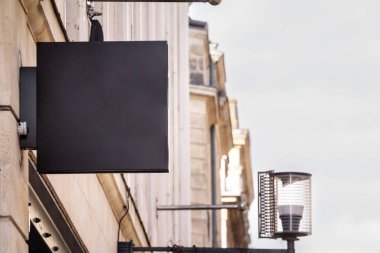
[102, 107]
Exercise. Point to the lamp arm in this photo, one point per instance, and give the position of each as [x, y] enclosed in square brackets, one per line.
[212, 2]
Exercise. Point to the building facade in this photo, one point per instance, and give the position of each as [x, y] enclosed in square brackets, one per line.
[221, 170]
[92, 212]
[237, 186]
[82, 213]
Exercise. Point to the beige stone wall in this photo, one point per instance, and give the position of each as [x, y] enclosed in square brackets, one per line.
[19, 21]
[238, 185]
[200, 170]
[203, 115]
[13, 188]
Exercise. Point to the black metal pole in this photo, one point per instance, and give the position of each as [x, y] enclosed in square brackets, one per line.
[128, 247]
[291, 248]
[214, 217]
[204, 250]
[242, 206]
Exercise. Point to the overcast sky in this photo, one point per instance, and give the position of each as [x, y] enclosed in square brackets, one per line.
[306, 75]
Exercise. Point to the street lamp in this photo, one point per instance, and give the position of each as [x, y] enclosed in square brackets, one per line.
[284, 206]
[284, 212]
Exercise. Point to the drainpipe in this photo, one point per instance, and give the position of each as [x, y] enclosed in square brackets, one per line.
[214, 216]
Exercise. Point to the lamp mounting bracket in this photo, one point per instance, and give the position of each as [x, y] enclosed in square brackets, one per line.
[242, 206]
[212, 2]
[91, 13]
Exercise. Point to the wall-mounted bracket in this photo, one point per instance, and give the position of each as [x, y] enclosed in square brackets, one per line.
[28, 108]
[91, 13]
[212, 2]
[241, 207]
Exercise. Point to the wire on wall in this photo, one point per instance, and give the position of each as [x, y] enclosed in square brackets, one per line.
[126, 207]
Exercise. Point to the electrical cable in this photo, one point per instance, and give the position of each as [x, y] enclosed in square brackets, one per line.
[125, 214]
[195, 248]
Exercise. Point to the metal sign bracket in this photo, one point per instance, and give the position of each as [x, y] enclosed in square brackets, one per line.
[28, 108]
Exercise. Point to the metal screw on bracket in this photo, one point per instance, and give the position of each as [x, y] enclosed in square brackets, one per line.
[46, 235]
[36, 220]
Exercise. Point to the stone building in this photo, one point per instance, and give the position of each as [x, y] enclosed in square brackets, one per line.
[88, 212]
[82, 212]
[237, 186]
[220, 151]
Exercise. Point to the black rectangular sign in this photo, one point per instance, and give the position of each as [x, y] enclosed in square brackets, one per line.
[102, 107]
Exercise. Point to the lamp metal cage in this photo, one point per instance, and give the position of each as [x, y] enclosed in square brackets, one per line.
[284, 204]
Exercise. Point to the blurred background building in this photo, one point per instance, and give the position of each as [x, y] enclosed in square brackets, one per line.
[237, 186]
[221, 170]
[209, 154]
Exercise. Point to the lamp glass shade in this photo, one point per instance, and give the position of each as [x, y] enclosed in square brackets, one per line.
[292, 204]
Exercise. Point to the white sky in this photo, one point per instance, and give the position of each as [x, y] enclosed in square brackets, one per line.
[306, 75]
